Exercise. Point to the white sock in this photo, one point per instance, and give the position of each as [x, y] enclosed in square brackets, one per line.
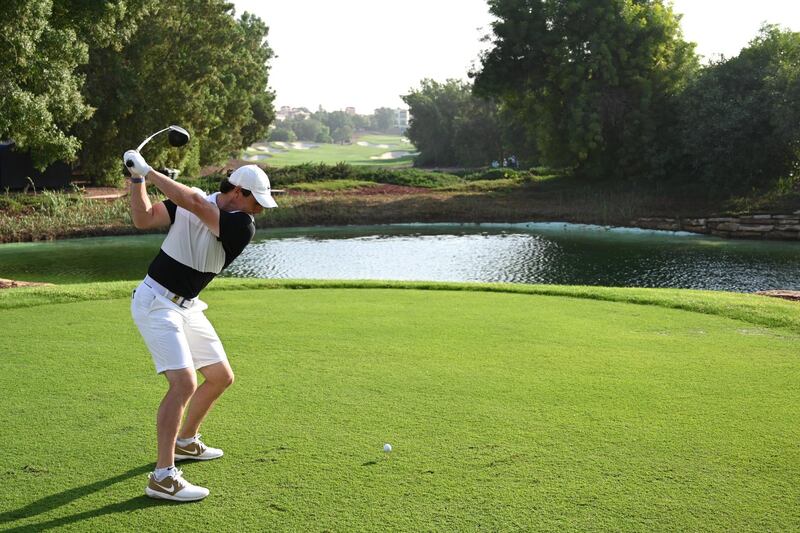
[161, 473]
[185, 442]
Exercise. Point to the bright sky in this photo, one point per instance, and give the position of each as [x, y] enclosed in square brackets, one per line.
[365, 53]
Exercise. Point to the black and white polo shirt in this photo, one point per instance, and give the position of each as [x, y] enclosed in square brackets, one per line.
[191, 256]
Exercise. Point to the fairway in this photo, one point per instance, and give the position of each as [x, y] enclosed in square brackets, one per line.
[505, 411]
[369, 150]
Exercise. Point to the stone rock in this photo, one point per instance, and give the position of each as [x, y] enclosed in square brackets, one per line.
[748, 234]
[695, 222]
[783, 235]
[751, 228]
[695, 229]
[758, 219]
[727, 226]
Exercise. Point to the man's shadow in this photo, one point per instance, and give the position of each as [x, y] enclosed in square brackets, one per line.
[54, 501]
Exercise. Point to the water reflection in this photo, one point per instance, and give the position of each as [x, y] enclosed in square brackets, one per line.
[544, 255]
[534, 253]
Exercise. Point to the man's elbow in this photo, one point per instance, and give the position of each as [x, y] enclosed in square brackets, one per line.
[142, 222]
[196, 203]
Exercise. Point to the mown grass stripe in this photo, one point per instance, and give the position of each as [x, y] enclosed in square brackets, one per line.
[753, 309]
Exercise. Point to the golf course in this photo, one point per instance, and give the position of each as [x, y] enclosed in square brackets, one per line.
[366, 150]
[508, 407]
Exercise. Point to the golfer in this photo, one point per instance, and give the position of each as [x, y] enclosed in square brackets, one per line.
[206, 233]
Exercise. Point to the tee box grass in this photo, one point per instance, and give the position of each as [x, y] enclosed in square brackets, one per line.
[508, 407]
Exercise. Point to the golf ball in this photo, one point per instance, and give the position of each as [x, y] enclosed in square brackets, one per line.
[387, 447]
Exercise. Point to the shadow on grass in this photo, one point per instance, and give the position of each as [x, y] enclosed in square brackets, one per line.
[54, 501]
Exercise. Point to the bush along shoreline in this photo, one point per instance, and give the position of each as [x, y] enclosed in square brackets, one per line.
[339, 195]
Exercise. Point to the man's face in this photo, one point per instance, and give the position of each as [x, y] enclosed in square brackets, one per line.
[257, 207]
[251, 205]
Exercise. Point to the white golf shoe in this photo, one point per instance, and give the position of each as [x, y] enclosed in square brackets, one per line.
[196, 450]
[174, 488]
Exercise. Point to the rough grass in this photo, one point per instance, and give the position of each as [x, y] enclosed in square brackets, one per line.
[506, 410]
[331, 185]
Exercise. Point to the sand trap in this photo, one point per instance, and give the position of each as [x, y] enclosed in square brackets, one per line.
[365, 143]
[264, 148]
[303, 146]
[256, 157]
[394, 155]
[281, 144]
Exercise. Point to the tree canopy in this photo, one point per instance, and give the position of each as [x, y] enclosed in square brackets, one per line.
[594, 77]
[740, 119]
[90, 79]
[450, 126]
[191, 63]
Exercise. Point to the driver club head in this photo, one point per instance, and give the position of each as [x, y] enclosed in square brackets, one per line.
[177, 136]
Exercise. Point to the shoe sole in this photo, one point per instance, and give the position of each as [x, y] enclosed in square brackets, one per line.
[196, 457]
[161, 496]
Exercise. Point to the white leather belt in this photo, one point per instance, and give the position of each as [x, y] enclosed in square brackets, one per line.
[177, 299]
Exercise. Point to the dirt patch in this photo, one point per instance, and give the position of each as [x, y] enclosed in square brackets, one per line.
[785, 295]
[10, 284]
[232, 164]
[104, 193]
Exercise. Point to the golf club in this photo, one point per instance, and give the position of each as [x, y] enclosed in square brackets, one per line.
[176, 137]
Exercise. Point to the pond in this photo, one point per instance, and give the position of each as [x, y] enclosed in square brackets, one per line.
[551, 253]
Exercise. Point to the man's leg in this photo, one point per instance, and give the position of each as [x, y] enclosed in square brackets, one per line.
[218, 377]
[167, 482]
[182, 384]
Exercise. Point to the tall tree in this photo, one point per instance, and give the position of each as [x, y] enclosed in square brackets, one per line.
[45, 42]
[740, 118]
[190, 63]
[383, 119]
[452, 127]
[434, 108]
[597, 78]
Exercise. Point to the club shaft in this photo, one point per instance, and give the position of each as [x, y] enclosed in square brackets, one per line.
[144, 142]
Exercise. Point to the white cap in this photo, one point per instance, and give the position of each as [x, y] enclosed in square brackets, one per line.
[255, 180]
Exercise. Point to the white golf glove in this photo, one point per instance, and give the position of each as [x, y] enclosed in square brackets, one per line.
[136, 163]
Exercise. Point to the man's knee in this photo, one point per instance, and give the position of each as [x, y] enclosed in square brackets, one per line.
[225, 379]
[219, 375]
[182, 383]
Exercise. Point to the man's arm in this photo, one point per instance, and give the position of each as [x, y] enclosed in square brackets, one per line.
[144, 214]
[180, 194]
[188, 199]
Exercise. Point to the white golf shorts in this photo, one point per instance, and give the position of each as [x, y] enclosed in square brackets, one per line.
[177, 337]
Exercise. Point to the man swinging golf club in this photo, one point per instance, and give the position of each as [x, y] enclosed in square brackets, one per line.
[206, 233]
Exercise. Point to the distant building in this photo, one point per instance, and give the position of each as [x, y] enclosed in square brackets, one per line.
[350, 111]
[401, 118]
[287, 113]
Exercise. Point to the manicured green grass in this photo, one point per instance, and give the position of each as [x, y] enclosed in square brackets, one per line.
[331, 185]
[507, 410]
[336, 153]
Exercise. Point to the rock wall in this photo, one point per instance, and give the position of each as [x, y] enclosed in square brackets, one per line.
[776, 227]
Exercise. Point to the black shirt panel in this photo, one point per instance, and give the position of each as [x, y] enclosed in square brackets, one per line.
[177, 277]
[171, 208]
[236, 230]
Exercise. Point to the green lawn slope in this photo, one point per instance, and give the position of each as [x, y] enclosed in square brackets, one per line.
[509, 407]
